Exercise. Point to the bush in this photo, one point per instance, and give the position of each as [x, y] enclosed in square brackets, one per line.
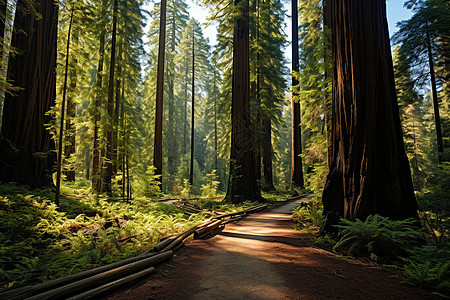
[429, 267]
[210, 188]
[377, 237]
[309, 216]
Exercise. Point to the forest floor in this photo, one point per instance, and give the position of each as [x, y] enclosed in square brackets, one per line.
[263, 257]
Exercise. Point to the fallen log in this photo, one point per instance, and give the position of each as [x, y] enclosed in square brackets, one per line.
[102, 278]
[27, 291]
[112, 285]
[180, 239]
[207, 229]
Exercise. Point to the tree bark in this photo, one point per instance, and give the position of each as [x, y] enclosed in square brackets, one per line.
[69, 145]
[171, 154]
[215, 121]
[96, 161]
[63, 107]
[157, 154]
[267, 155]
[369, 171]
[106, 185]
[27, 151]
[119, 86]
[242, 184]
[437, 117]
[191, 170]
[297, 167]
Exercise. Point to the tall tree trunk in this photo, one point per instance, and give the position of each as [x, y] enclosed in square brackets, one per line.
[157, 154]
[3, 18]
[115, 147]
[215, 121]
[171, 154]
[242, 183]
[185, 111]
[258, 98]
[437, 118]
[267, 155]
[369, 171]
[96, 161]
[191, 170]
[27, 151]
[69, 145]
[108, 170]
[63, 108]
[297, 167]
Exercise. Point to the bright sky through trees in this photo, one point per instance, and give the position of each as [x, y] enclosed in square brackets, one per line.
[395, 12]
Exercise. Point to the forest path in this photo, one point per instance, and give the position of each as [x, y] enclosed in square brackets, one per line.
[263, 257]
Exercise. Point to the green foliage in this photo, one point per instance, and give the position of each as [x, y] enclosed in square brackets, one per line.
[377, 237]
[40, 241]
[429, 267]
[186, 189]
[210, 188]
[309, 216]
[314, 92]
[150, 184]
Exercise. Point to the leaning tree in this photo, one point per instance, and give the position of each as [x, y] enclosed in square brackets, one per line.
[369, 171]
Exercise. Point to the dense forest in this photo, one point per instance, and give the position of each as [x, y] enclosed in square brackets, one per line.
[107, 105]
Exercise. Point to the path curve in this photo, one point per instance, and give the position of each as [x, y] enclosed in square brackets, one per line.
[262, 257]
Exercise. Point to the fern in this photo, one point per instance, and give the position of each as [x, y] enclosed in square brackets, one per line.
[377, 237]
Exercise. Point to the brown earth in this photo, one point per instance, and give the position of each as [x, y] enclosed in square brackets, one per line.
[262, 257]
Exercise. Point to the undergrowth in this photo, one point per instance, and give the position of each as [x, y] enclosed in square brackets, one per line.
[422, 254]
[40, 241]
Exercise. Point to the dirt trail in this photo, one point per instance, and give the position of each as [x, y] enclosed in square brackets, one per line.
[262, 257]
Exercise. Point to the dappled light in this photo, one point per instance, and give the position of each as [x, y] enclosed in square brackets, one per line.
[210, 149]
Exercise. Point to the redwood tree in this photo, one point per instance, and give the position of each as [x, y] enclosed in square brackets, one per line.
[297, 168]
[369, 171]
[27, 151]
[157, 150]
[108, 172]
[242, 183]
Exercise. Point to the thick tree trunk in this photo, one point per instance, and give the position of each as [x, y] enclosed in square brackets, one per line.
[157, 154]
[108, 172]
[297, 167]
[27, 151]
[369, 171]
[242, 184]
